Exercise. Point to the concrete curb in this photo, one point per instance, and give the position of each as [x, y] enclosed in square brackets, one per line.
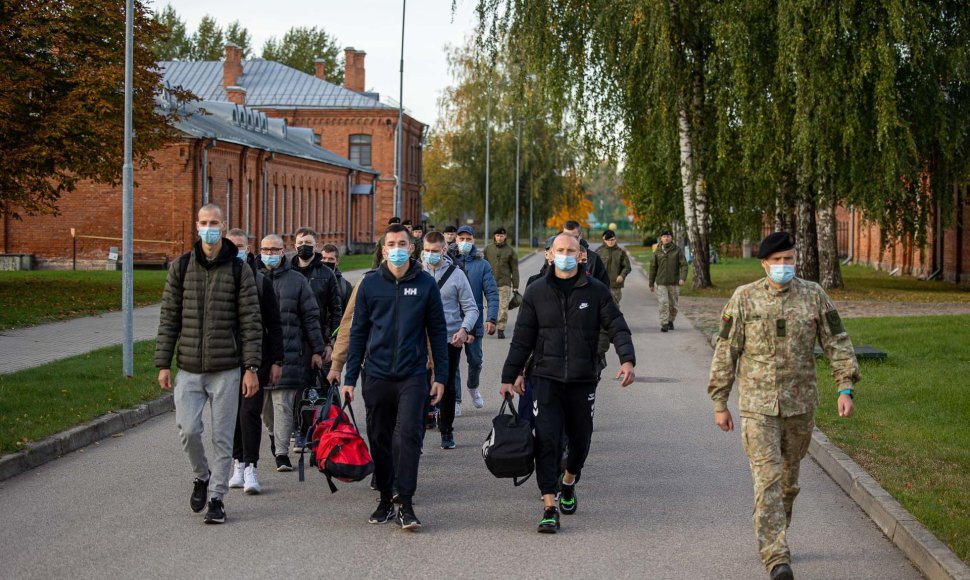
[930, 556]
[50, 448]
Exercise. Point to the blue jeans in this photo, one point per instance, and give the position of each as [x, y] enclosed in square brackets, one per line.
[474, 356]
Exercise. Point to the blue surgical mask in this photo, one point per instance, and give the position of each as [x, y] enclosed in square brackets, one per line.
[397, 257]
[271, 261]
[465, 247]
[781, 273]
[210, 235]
[431, 258]
[565, 263]
[242, 255]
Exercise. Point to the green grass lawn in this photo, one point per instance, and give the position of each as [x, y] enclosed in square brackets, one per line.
[356, 262]
[861, 282]
[35, 297]
[911, 430]
[38, 402]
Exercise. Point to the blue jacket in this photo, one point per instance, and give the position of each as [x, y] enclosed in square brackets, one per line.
[479, 273]
[393, 322]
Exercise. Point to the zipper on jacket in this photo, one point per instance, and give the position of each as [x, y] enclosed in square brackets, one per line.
[397, 316]
[204, 347]
[565, 334]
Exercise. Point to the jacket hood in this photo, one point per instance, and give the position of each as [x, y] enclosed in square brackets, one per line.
[414, 268]
[285, 265]
[227, 252]
[472, 254]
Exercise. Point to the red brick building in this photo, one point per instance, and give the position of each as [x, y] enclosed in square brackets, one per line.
[268, 177]
[346, 120]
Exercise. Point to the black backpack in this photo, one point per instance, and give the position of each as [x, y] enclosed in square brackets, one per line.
[509, 448]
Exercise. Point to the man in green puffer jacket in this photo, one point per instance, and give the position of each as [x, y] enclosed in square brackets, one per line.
[668, 271]
[210, 309]
[617, 264]
[505, 267]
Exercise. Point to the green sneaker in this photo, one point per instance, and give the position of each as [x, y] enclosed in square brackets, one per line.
[549, 524]
[567, 498]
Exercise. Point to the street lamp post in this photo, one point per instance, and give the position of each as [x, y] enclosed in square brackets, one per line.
[127, 213]
[400, 122]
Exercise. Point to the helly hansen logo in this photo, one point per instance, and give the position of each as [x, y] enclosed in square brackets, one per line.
[584, 305]
[410, 291]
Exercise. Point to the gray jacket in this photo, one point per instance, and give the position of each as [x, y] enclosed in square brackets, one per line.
[456, 298]
[300, 317]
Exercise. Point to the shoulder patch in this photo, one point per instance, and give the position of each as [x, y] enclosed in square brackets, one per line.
[727, 321]
[835, 322]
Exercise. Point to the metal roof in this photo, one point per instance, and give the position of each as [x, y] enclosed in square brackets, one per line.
[244, 126]
[267, 84]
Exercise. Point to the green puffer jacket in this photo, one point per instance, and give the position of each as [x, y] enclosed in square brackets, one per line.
[668, 267]
[216, 327]
[617, 263]
[505, 264]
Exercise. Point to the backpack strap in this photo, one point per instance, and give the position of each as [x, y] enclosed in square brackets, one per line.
[183, 268]
[448, 273]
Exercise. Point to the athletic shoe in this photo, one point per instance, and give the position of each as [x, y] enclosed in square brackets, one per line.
[216, 513]
[200, 490]
[447, 441]
[501, 334]
[457, 409]
[406, 518]
[567, 498]
[670, 325]
[251, 486]
[477, 399]
[549, 524]
[237, 480]
[384, 512]
[283, 463]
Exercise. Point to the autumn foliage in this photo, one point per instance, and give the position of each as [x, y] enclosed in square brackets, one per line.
[574, 204]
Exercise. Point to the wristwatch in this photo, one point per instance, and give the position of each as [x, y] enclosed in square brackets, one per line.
[253, 369]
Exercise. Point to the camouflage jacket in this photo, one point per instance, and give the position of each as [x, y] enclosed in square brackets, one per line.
[768, 339]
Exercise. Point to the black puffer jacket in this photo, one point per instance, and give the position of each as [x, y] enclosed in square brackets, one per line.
[269, 309]
[345, 288]
[323, 282]
[216, 326]
[300, 317]
[563, 337]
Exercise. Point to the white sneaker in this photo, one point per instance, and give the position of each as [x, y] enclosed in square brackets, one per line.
[477, 399]
[252, 484]
[457, 409]
[236, 481]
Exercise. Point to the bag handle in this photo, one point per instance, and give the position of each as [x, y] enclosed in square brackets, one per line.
[331, 394]
[340, 417]
[507, 404]
[517, 482]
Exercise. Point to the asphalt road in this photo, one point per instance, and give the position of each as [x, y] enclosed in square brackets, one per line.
[664, 494]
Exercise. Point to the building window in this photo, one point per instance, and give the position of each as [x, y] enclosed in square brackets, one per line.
[360, 150]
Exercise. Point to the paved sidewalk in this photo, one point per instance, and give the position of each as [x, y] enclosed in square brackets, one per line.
[665, 495]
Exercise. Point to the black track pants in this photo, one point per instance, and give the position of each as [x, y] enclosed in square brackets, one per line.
[561, 406]
[249, 428]
[395, 430]
[446, 414]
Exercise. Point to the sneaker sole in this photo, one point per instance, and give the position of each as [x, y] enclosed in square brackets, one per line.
[411, 527]
[252, 491]
[543, 530]
[214, 521]
[379, 522]
[566, 512]
[284, 468]
[236, 486]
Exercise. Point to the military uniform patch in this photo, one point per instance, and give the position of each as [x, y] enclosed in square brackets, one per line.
[726, 322]
[835, 322]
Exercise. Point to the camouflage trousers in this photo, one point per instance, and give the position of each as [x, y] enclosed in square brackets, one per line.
[504, 297]
[775, 447]
[667, 296]
[617, 294]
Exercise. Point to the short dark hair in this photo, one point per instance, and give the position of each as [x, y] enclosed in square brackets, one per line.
[330, 249]
[395, 229]
[434, 238]
[305, 231]
[571, 225]
[394, 220]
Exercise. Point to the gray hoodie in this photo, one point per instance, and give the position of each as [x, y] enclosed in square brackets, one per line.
[456, 297]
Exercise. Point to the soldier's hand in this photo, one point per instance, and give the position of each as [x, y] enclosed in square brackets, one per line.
[250, 385]
[846, 406]
[275, 374]
[437, 391]
[653, 289]
[316, 361]
[519, 385]
[346, 392]
[724, 420]
[681, 283]
[619, 279]
[165, 379]
[626, 373]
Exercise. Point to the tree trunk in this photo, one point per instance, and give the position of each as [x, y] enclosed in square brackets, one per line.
[783, 214]
[806, 237]
[702, 254]
[696, 211]
[830, 272]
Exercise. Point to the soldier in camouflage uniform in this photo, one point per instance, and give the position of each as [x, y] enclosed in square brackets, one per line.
[668, 271]
[768, 333]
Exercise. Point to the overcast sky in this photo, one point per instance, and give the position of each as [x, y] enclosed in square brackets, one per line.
[373, 26]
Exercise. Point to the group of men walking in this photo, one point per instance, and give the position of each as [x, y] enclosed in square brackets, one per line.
[251, 332]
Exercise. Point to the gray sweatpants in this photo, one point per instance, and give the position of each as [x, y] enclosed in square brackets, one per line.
[221, 390]
[278, 417]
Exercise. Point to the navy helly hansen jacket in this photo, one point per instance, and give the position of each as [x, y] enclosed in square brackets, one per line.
[393, 322]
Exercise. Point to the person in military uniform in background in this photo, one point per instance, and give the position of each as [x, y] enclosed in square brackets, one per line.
[617, 264]
[668, 271]
[767, 339]
[505, 267]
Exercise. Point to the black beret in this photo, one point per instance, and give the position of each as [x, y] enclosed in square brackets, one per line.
[406, 223]
[499, 231]
[776, 242]
[609, 235]
[450, 229]
[666, 233]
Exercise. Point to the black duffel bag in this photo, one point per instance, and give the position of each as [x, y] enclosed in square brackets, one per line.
[509, 448]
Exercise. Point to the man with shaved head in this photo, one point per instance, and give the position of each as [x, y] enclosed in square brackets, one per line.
[210, 310]
[556, 335]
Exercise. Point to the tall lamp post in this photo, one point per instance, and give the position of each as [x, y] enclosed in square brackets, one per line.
[488, 157]
[400, 122]
[127, 273]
